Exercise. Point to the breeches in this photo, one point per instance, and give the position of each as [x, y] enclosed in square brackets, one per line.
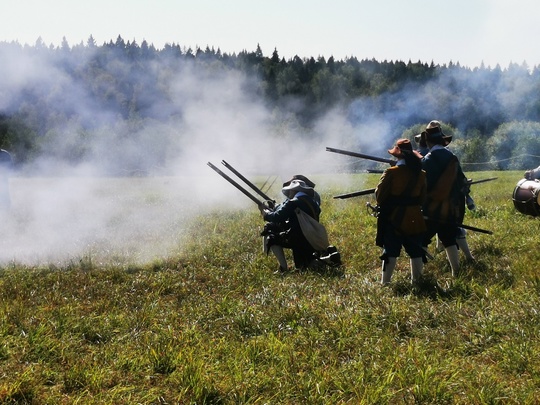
[393, 242]
[292, 239]
[446, 233]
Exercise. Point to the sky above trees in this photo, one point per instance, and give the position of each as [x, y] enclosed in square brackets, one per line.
[470, 32]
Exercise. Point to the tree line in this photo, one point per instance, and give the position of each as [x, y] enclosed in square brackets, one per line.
[493, 111]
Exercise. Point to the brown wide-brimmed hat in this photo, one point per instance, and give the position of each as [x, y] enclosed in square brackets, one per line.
[402, 147]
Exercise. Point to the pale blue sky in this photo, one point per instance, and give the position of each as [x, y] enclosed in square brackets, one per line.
[466, 31]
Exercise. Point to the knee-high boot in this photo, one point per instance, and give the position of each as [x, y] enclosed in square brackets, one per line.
[388, 266]
[417, 268]
[461, 240]
[452, 254]
[280, 256]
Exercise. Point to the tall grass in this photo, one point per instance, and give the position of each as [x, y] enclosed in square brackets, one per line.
[214, 324]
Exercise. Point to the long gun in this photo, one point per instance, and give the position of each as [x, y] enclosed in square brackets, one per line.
[271, 184]
[356, 193]
[483, 180]
[249, 183]
[469, 227]
[361, 155]
[372, 190]
[238, 186]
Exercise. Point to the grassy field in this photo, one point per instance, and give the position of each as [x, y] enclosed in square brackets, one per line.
[213, 324]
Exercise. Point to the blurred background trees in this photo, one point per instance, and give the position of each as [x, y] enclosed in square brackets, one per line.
[493, 112]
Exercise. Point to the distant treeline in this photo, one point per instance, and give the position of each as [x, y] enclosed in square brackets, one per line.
[88, 86]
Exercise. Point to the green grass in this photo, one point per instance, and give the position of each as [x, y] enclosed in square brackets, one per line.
[215, 325]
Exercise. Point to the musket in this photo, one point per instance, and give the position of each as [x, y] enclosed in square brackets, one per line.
[362, 155]
[266, 181]
[249, 183]
[238, 186]
[469, 227]
[375, 171]
[356, 193]
[483, 180]
[271, 184]
[372, 190]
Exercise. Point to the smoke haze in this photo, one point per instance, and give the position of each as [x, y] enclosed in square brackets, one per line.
[131, 185]
[64, 211]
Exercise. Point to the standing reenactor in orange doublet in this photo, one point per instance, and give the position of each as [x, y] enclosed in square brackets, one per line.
[400, 193]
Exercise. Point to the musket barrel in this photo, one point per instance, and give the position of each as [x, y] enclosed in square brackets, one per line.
[361, 155]
[245, 180]
[375, 171]
[356, 193]
[235, 184]
[469, 227]
[483, 180]
[271, 184]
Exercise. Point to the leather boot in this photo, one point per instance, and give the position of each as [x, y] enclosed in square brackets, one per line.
[452, 254]
[388, 266]
[417, 268]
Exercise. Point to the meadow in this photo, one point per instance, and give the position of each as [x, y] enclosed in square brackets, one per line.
[211, 323]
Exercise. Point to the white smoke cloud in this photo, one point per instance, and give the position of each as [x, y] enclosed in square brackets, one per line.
[64, 211]
[132, 185]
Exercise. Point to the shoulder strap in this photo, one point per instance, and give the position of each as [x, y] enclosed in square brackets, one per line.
[442, 188]
[309, 202]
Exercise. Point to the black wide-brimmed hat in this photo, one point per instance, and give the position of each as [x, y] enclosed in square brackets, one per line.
[308, 182]
[434, 134]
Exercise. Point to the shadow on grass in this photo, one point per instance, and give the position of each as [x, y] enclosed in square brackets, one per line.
[429, 287]
[321, 270]
[472, 272]
[495, 271]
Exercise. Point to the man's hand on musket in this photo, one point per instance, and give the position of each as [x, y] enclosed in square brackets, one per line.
[270, 204]
[466, 189]
[265, 209]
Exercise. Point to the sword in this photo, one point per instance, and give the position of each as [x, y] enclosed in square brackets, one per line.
[375, 213]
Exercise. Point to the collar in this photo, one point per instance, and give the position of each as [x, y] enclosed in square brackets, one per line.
[436, 147]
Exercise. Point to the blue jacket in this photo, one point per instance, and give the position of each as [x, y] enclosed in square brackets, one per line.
[285, 212]
[445, 182]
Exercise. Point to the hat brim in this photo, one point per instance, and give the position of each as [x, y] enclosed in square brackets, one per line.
[396, 152]
[308, 182]
[297, 185]
[439, 138]
[447, 139]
